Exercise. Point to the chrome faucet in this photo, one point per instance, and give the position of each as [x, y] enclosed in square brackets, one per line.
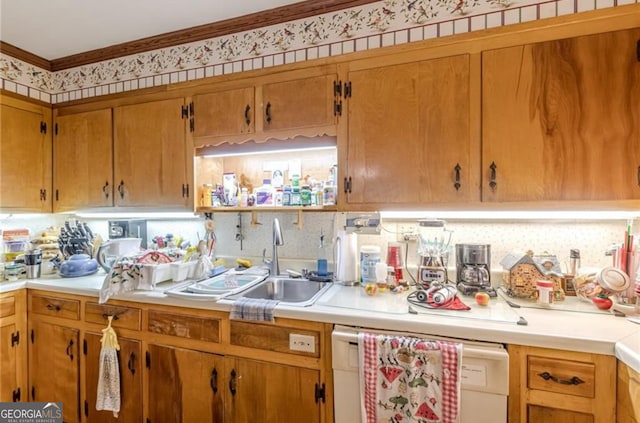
[274, 265]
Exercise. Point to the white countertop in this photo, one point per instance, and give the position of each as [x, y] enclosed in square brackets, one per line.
[586, 332]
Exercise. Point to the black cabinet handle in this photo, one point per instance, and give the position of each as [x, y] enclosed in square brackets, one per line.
[232, 382]
[121, 189]
[638, 176]
[105, 316]
[267, 113]
[247, 116]
[105, 189]
[347, 185]
[575, 380]
[492, 179]
[131, 363]
[213, 380]
[53, 307]
[457, 183]
[69, 349]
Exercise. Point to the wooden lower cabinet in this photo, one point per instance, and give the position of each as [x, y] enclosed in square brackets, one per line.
[130, 361]
[628, 394]
[270, 393]
[13, 351]
[184, 385]
[557, 386]
[54, 367]
[195, 386]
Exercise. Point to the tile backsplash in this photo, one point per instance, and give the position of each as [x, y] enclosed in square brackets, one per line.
[302, 246]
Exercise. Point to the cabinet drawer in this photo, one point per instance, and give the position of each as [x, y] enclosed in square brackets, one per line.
[561, 376]
[271, 338]
[184, 326]
[52, 306]
[123, 317]
[7, 306]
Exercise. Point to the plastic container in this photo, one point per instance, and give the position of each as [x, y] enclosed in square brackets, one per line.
[545, 292]
[369, 256]
[264, 194]
[244, 198]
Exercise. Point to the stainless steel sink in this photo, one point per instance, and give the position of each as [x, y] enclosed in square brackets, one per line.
[292, 291]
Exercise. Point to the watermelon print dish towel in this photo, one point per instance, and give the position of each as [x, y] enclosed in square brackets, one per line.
[409, 380]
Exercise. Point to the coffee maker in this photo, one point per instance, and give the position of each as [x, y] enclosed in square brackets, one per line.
[473, 269]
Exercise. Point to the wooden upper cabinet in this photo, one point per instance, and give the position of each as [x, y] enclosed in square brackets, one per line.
[561, 119]
[152, 155]
[25, 156]
[223, 113]
[409, 137]
[298, 103]
[83, 160]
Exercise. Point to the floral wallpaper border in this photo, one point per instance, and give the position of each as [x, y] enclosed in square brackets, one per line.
[379, 24]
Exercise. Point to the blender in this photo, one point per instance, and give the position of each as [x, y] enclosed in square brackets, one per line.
[433, 252]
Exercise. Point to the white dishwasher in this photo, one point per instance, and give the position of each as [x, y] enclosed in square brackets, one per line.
[485, 377]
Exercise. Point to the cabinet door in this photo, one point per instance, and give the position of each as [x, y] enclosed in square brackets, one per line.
[270, 393]
[299, 103]
[560, 119]
[150, 155]
[83, 160]
[185, 385]
[25, 157]
[129, 359]
[229, 112]
[8, 364]
[409, 134]
[54, 370]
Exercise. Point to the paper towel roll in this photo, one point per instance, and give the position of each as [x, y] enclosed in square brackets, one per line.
[346, 258]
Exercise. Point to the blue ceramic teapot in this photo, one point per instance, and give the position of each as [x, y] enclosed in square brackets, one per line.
[78, 265]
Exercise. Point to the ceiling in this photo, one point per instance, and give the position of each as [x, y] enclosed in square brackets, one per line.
[61, 28]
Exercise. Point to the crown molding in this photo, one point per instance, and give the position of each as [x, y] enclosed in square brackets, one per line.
[24, 55]
[265, 18]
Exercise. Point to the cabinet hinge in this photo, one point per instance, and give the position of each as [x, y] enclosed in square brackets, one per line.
[55, 129]
[337, 108]
[347, 89]
[191, 108]
[320, 393]
[16, 395]
[84, 346]
[185, 190]
[43, 127]
[185, 111]
[147, 359]
[33, 393]
[638, 50]
[33, 336]
[337, 88]
[57, 195]
[15, 338]
[86, 408]
[192, 124]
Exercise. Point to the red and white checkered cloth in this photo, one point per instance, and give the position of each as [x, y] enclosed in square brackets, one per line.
[409, 379]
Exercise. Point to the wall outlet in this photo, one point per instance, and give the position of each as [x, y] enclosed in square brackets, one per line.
[407, 232]
[303, 343]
